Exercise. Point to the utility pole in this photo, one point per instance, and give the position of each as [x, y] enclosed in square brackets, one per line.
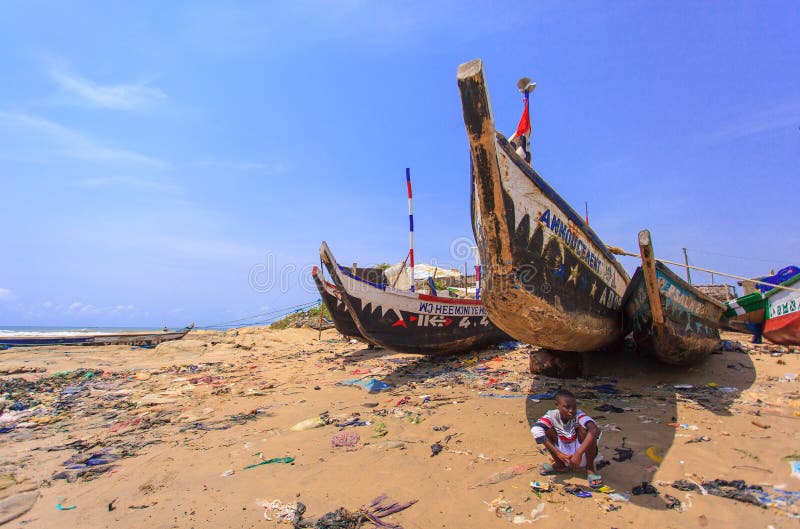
[686, 260]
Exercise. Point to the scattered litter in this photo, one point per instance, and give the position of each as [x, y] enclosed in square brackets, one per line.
[313, 422]
[620, 496]
[347, 440]
[503, 475]
[609, 407]
[623, 454]
[577, 491]
[701, 439]
[436, 448]
[762, 426]
[794, 466]
[270, 461]
[644, 488]
[652, 453]
[228, 473]
[673, 503]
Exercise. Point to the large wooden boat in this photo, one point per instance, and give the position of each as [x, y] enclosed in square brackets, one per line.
[411, 322]
[547, 278]
[136, 339]
[336, 308]
[669, 318]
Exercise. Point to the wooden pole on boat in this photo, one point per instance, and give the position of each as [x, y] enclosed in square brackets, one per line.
[688, 273]
[650, 279]
[616, 250]
[410, 229]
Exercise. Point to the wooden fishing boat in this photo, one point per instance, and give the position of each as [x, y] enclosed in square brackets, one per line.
[547, 278]
[133, 339]
[336, 308]
[782, 314]
[769, 311]
[411, 322]
[669, 318]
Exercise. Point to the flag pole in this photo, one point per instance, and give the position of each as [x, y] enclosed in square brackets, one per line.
[410, 229]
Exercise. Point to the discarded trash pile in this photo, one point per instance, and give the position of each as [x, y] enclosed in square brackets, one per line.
[381, 507]
[123, 410]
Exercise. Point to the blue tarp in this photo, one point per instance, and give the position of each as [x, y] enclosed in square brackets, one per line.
[783, 275]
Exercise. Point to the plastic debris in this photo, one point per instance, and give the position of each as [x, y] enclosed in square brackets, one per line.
[313, 422]
[347, 440]
[620, 496]
[503, 475]
[652, 453]
[271, 461]
[436, 449]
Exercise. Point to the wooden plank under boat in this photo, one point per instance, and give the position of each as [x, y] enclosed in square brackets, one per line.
[411, 322]
[133, 339]
[336, 308]
[547, 278]
[782, 314]
[669, 318]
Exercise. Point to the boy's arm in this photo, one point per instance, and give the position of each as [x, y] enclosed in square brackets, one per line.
[592, 434]
[539, 434]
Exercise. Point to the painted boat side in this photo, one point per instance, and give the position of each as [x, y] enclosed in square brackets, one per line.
[782, 323]
[547, 278]
[336, 308]
[410, 322]
[691, 328]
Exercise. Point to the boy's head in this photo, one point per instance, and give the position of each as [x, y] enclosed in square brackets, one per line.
[566, 404]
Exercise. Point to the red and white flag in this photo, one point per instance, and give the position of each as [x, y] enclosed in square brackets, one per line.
[522, 137]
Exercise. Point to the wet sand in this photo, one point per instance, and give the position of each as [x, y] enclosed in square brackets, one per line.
[170, 431]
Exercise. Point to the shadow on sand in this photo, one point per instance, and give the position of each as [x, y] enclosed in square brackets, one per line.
[646, 390]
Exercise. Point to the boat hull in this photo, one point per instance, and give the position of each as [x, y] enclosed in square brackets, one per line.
[336, 308]
[95, 339]
[547, 279]
[409, 322]
[782, 325]
[690, 332]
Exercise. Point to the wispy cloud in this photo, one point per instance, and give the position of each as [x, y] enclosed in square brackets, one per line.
[119, 97]
[6, 294]
[78, 307]
[783, 116]
[153, 184]
[72, 143]
[271, 168]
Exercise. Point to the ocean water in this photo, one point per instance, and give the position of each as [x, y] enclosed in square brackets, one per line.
[10, 331]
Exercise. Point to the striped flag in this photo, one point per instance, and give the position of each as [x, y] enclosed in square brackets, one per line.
[522, 137]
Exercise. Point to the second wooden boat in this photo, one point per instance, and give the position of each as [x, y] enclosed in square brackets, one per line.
[133, 339]
[669, 318]
[547, 278]
[411, 322]
[336, 308]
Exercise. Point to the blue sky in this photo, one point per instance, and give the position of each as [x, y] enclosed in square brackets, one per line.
[154, 156]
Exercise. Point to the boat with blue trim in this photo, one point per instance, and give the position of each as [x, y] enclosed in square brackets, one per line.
[412, 322]
[547, 278]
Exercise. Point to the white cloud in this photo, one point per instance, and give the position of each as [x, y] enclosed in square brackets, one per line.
[6, 294]
[784, 116]
[120, 97]
[128, 181]
[75, 144]
[271, 168]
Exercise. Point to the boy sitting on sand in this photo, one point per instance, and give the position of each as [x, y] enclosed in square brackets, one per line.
[571, 438]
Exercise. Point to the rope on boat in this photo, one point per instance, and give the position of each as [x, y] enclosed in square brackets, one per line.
[619, 251]
[278, 313]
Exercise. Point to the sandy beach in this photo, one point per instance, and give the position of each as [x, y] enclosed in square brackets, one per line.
[197, 433]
